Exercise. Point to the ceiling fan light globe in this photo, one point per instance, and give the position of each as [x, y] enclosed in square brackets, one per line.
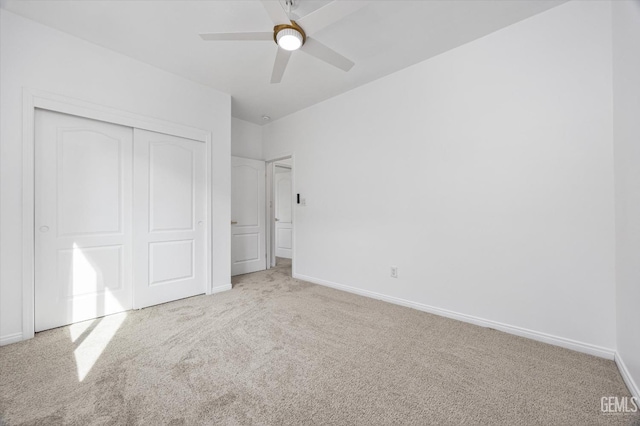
[289, 39]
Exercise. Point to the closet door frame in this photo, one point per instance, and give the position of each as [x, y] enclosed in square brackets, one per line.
[36, 99]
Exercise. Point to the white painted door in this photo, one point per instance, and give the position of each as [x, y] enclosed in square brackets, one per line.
[170, 216]
[247, 216]
[83, 226]
[283, 212]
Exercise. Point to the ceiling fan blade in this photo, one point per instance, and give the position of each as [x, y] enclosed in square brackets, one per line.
[327, 15]
[282, 59]
[237, 36]
[276, 12]
[314, 48]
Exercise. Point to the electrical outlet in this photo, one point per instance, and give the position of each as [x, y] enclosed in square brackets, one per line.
[394, 272]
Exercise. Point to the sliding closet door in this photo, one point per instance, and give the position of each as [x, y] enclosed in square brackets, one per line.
[83, 227]
[120, 219]
[170, 216]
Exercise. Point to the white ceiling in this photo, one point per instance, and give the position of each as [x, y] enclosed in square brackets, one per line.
[382, 37]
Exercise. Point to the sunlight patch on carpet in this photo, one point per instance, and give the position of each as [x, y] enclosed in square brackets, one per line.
[89, 351]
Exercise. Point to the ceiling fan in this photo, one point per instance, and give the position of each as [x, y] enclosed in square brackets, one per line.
[289, 35]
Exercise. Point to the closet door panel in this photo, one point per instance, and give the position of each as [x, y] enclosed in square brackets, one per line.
[170, 218]
[83, 219]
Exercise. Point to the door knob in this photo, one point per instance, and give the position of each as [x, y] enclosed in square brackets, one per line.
[277, 220]
[233, 222]
[44, 229]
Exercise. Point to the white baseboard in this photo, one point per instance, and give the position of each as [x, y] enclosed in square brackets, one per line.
[10, 338]
[626, 376]
[518, 331]
[221, 288]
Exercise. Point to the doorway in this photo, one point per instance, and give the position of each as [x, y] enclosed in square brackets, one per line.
[281, 213]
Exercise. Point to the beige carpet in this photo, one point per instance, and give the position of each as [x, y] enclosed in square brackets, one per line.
[279, 351]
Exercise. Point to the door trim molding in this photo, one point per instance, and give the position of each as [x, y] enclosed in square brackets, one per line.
[221, 288]
[270, 210]
[278, 224]
[33, 99]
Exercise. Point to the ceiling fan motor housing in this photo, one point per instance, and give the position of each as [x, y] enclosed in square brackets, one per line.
[289, 37]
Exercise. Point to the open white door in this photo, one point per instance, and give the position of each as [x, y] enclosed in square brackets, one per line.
[247, 216]
[170, 216]
[83, 227]
[282, 185]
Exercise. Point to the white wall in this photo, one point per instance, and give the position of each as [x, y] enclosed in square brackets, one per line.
[246, 139]
[484, 174]
[626, 120]
[38, 57]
